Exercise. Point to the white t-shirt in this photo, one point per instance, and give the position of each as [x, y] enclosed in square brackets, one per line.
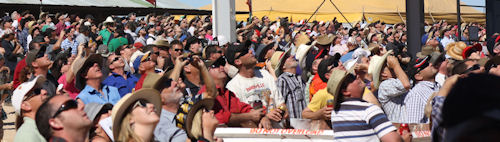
[261, 85]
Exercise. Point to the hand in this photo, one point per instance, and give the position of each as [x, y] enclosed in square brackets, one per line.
[327, 113]
[160, 61]
[81, 46]
[274, 115]
[63, 32]
[392, 62]
[256, 114]
[406, 136]
[265, 123]
[198, 63]
[179, 61]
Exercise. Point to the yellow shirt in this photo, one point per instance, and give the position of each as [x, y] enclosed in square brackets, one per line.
[319, 99]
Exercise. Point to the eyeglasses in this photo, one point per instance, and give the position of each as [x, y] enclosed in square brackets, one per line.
[473, 68]
[157, 53]
[140, 103]
[242, 53]
[147, 59]
[70, 104]
[36, 91]
[115, 59]
[177, 50]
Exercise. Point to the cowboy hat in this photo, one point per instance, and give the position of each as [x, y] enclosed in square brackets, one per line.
[109, 20]
[87, 63]
[301, 53]
[278, 71]
[471, 49]
[261, 52]
[325, 39]
[337, 76]
[187, 111]
[455, 49]
[302, 39]
[161, 42]
[426, 50]
[275, 59]
[120, 108]
[151, 80]
[375, 67]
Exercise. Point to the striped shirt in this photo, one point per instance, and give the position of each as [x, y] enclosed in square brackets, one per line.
[416, 100]
[291, 87]
[391, 95]
[438, 132]
[357, 120]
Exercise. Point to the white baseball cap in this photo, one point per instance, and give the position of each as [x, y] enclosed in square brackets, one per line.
[22, 90]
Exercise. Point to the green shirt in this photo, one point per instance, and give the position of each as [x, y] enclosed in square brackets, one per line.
[28, 132]
[105, 33]
[116, 42]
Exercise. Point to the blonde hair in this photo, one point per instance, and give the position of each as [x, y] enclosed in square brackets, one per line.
[126, 132]
[196, 128]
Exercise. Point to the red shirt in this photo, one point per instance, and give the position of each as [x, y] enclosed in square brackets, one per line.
[226, 104]
[20, 65]
[140, 82]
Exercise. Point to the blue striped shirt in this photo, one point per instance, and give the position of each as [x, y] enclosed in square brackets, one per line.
[357, 120]
[416, 100]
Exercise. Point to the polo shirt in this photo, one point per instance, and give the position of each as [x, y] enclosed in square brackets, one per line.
[357, 120]
[124, 85]
[69, 87]
[28, 132]
[106, 34]
[90, 95]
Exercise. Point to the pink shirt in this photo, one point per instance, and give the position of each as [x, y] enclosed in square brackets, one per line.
[68, 87]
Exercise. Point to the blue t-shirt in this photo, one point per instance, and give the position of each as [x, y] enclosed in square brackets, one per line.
[90, 95]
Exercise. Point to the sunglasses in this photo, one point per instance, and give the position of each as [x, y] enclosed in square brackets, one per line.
[36, 91]
[157, 53]
[147, 59]
[218, 51]
[177, 50]
[242, 53]
[140, 103]
[70, 104]
[115, 59]
[473, 68]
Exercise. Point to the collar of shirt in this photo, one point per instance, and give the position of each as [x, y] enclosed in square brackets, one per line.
[354, 99]
[93, 91]
[117, 75]
[428, 84]
[288, 74]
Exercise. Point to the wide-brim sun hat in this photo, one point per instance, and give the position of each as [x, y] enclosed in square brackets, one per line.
[278, 70]
[121, 107]
[325, 39]
[337, 76]
[80, 81]
[301, 54]
[375, 67]
[455, 50]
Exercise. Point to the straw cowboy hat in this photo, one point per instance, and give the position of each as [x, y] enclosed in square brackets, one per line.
[375, 67]
[278, 70]
[187, 111]
[336, 78]
[151, 80]
[109, 20]
[426, 50]
[301, 53]
[162, 42]
[275, 59]
[471, 49]
[120, 108]
[325, 39]
[302, 39]
[85, 64]
[455, 49]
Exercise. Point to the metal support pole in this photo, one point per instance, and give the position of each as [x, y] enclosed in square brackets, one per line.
[415, 25]
[459, 21]
[224, 21]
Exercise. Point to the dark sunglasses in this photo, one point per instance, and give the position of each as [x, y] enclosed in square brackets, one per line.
[157, 53]
[177, 50]
[242, 53]
[115, 59]
[218, 51]
[140, 103]
[70, 104]
[36, 91]
[147, 59]
[473, 68]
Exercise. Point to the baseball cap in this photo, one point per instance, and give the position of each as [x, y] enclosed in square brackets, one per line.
[22, 90]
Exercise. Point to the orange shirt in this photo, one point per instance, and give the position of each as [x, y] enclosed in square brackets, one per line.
[316, 85]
